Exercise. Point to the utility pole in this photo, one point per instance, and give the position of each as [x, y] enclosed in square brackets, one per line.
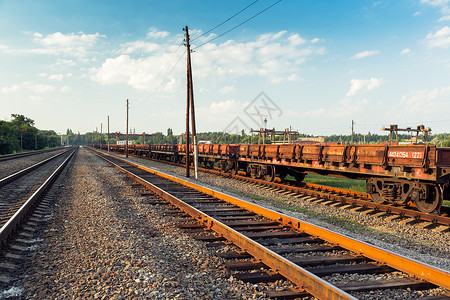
[101, 134]
[187, 116]
[191, 97]
[108, 134]
[96, 137]
[353, 123]
[126, 142]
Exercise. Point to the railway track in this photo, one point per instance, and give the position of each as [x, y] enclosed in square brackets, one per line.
[20, 192]
[326, 195]
[24, 154]
[274, 246]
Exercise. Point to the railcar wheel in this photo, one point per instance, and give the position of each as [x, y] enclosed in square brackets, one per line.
[251, 172]
[270, 176]
[377, 198]
[371, 188]
[299, 176]
[234, 168]
[432, 203]
[282, 172]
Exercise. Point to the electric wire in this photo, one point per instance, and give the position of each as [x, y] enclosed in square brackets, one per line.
[240, 24]
[142, 94]
[217, 26]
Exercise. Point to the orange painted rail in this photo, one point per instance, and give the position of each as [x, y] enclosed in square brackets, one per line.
[296, 274]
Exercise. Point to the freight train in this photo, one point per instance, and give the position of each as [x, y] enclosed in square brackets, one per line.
[396, 174]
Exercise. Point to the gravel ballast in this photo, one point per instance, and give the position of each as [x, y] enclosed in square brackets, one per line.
[424, 245]
[104, 242]
[12, 166]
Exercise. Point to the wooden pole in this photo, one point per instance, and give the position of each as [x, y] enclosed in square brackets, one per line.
[126, 142]
[191, 96]
[353, 123]
[187, 111]
[101, 135]
[108, 134]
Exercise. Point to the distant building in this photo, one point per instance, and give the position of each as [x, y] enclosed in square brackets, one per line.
[310, 140]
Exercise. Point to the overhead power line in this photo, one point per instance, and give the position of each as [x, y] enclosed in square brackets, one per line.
[240, 24]
[142, 94]
[225, 21]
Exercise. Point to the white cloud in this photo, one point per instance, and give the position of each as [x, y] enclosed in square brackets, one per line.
[28, 85]
[444, 18]
[361, 85]
[271, 55]
[138, 73]
[275, 56]
[57, 77]
[221, 112]
[439, 39]
[64, 62]
[363, 54]
[10, 89]
[419, 102]
[405, 51]
[38, 87]
[138, 46]
[443, 5]
[155, 34]
[71, 44]
[296, 40]
[35, 99]
[65, 89]
[227, 89]
[417, 13]
[345, 107]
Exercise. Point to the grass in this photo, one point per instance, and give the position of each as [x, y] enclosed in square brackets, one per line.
[343, 183]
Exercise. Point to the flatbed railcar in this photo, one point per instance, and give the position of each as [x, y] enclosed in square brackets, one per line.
[393, 173]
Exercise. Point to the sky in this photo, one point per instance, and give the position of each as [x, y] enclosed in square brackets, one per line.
[313, 66]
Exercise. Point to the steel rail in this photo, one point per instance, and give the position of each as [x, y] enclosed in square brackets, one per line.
[343, 196]
[301, 277]
[7, 157]
[21, 173]
[353, 200]
[12, 223]
[410, 266]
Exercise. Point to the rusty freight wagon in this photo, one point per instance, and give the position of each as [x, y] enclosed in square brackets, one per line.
[394, 173]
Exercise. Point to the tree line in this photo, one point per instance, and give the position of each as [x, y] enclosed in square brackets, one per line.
[20, 134]
[442, 140]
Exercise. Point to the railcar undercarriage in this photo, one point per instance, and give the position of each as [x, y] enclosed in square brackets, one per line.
[427, 197]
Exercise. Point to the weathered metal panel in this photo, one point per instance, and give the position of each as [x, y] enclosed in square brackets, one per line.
[254, 151]
[233, 149]
[370, 154]
[412, 155]
[286, 151]
[311, 152]
[333, 153]
[243, 150]
[443, 156]
[216, 149]
[271, 151]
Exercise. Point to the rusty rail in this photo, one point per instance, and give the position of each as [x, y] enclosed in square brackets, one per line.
[299, 276]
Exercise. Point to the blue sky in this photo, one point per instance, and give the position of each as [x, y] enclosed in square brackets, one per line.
[311, 65]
